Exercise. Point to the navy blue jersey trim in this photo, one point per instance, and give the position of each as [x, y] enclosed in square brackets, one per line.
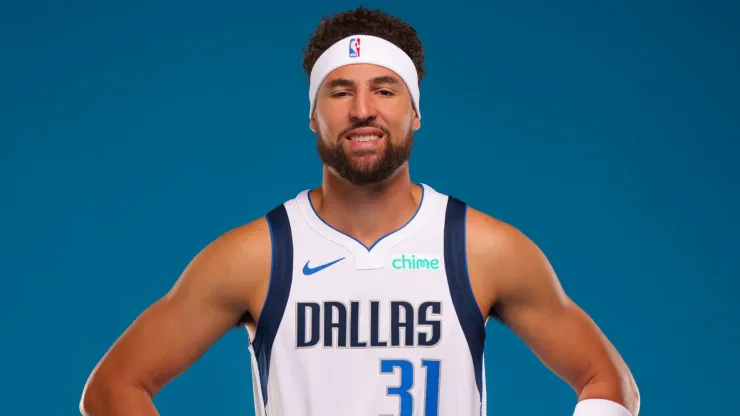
[456, 266]
[281, 278]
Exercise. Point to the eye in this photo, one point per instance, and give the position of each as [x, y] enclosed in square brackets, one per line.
[340, 94]
[387, 93]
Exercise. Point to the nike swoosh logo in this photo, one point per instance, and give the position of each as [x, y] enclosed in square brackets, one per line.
[311, 270]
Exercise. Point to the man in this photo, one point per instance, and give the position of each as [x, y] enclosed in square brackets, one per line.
[369, 294]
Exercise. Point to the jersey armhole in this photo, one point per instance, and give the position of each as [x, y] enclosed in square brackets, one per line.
[278, 291]
[461, 291]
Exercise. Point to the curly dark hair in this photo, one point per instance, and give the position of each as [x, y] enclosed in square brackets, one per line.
[363, 21]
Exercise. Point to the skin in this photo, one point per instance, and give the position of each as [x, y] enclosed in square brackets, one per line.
[225, 285]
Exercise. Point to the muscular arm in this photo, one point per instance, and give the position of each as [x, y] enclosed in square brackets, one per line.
[518, 283]
[219, 286]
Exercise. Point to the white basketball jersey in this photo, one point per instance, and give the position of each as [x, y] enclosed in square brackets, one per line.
[387, 330]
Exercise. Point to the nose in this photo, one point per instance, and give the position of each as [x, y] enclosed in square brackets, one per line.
[363, 107]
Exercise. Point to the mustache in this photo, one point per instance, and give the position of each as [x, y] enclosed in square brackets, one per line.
[363, 124]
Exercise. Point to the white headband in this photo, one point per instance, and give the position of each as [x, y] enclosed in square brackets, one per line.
[365, 49]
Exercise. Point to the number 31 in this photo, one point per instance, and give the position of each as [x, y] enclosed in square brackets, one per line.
[431, 402]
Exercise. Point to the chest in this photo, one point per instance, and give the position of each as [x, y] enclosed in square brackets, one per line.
[403, 304]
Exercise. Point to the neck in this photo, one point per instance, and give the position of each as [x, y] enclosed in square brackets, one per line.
[367, 212]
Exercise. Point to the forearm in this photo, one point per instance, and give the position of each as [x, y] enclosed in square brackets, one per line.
[116, 400]
[619, 389]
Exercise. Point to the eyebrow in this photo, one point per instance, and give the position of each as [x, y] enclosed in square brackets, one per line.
[343, 82]
[385, 79]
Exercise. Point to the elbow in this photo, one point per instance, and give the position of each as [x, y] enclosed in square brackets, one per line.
[632, 396]
[629, 394]
[628, 391]
[101, 395]
[619, 388]
[96, 393]
[92, 395]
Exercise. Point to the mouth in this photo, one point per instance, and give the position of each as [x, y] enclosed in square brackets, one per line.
[362, 139]
[364, 135]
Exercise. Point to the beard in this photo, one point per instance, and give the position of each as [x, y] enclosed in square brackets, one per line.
[375, 166]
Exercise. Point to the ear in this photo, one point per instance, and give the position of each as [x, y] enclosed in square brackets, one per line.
[313, 125]
[416, 124]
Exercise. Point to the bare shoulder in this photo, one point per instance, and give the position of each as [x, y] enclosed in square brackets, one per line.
[486, 232]
[502, 260]
[235, 267]
[494, 242]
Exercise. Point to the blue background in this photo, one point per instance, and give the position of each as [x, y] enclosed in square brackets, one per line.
[134, 133]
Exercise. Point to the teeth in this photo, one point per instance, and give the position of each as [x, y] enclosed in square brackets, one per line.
[364, 138]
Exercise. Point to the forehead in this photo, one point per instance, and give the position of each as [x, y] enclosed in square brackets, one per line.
[362, 73]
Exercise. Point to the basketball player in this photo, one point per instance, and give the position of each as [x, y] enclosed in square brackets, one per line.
[369, 294]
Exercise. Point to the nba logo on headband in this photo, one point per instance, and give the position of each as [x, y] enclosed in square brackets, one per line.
[354, 47]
